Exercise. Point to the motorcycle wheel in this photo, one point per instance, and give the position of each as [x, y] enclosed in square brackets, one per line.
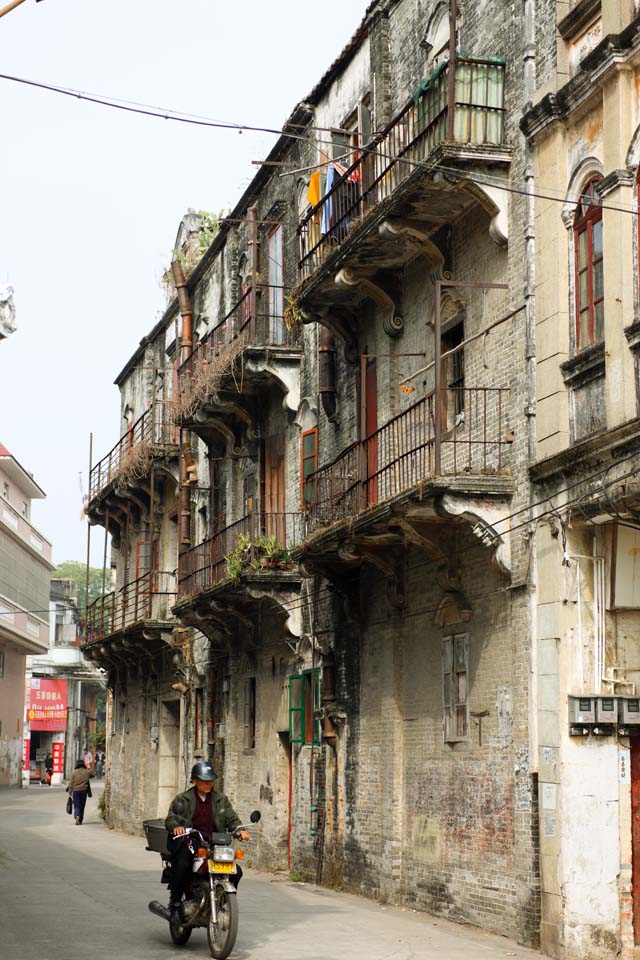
[222, 934]
[179, 934]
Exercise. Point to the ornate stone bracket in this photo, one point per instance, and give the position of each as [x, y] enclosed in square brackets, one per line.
[393, 323]
[398, 228]
[338, 323]
[384, 558]
[229, 406]
[454, 606]
[288, 376]
[482, 515]
[282, 597]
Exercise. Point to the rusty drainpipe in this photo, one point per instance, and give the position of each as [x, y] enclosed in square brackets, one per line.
[186, 347]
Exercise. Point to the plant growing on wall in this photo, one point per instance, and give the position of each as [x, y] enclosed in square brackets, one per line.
[292, 314]
[191, 257]
[134, 466]
[238, 559]
[206, 378]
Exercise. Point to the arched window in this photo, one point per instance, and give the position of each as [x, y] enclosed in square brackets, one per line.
[587, 229]
[436, 41]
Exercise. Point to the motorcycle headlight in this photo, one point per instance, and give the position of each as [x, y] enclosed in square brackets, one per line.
[224, 854]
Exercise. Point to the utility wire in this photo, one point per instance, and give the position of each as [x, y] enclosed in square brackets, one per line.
[508, 185]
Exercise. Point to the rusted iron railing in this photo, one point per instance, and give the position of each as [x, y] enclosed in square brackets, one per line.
[390, 157]
[258, 542]
[150, 597]
[155, 428]
[246, 326]
[402, 453]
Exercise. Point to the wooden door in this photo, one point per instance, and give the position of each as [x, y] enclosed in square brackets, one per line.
[274, 494]
[371, 427]
[635, 834]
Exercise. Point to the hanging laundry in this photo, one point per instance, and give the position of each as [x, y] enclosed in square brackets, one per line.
[313, 190]
[327, 209]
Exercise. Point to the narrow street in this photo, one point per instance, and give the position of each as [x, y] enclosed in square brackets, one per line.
[70, 892]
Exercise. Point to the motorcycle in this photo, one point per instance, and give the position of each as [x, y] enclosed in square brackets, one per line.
[211, 899]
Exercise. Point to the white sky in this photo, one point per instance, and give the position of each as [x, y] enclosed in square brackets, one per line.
[91, 198]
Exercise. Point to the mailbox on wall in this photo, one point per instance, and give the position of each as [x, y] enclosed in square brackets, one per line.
[582, 710]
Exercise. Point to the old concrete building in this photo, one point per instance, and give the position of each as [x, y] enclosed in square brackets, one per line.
[397, 482]
[130, 627]
[356, 397]
[583, 129]
[25, 567]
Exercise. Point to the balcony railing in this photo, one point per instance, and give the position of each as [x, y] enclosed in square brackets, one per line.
[150, 597]
[476, 117]
[258, 322]
[20, 525]
[155, 428]
[258, 542]
[472, 441]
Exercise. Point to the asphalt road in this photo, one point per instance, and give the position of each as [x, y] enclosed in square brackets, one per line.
[73, 893]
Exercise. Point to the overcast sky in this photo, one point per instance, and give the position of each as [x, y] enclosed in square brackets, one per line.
[91, 198]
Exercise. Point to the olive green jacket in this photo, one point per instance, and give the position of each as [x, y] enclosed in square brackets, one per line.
[183, 808]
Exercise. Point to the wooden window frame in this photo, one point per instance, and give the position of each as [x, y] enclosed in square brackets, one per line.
[588, 214]
[272, 316]
[304, 503]
[305, 726]
[455, 715]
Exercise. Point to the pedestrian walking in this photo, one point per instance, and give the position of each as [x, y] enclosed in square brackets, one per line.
[87, 758]
[48, 766]
[80, 788]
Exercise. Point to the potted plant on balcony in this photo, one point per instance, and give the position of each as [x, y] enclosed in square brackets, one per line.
[269, 553]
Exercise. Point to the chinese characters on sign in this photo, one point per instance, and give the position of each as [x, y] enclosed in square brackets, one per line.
[48, 704]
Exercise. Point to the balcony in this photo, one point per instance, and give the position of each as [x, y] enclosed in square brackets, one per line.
[21, 630]
[243, 355]
[394, 176]
[20, 527]
[140, 607]
[242, 569]
[153, 435]
[431, 462]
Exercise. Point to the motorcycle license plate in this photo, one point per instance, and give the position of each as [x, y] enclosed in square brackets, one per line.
[218, 866]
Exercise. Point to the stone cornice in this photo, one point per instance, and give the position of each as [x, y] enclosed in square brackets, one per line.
[584, 367]
[613, 50]
[578, 18]
[617, 178]
[608, 443]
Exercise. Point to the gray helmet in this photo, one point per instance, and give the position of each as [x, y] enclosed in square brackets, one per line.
[202, 770]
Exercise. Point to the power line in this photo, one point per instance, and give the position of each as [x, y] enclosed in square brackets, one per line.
[508, 185]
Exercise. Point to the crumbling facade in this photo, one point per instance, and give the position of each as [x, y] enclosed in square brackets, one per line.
[402, 481]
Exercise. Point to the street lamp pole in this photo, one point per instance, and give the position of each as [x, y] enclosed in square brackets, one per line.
[11, 6]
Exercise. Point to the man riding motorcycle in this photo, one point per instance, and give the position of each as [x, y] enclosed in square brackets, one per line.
[202, 808]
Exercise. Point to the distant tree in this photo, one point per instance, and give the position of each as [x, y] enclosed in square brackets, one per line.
[75, 570]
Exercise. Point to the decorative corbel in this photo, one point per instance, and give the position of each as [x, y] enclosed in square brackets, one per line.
[393, 323]
[339, 323]
[454, 606]
[399, 228]
[292, 614]
[482, 516]
[385, 559]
